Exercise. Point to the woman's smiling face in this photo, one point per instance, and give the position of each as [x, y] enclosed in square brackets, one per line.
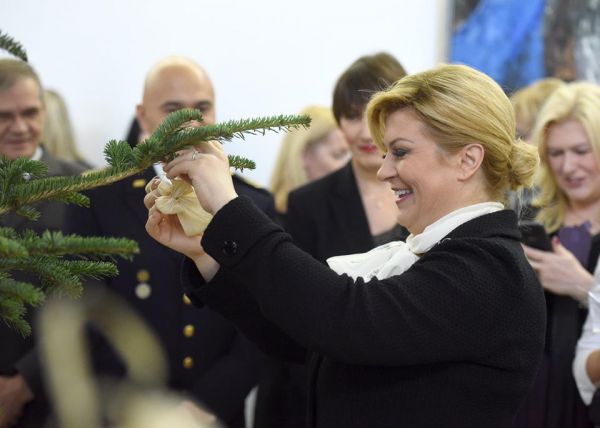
[424, 178]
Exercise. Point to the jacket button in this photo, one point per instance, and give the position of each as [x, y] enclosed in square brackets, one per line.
[143, 291]
[186, 300]
[188, 362]
[188, 330]
[229, 248]
[143, 275]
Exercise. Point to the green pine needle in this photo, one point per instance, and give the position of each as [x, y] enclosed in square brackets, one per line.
[240, 163]
[11, 46]
[57, 244]
[14, 297]
[12, 248]
[118, 153]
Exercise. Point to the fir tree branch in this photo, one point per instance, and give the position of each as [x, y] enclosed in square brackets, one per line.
[126, 162]
[57, 244]
[14, 297]
[90, 269]
[53, 275]
[11, 46]
[12, 248]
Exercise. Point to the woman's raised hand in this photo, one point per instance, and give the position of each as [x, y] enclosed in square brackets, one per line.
[206, 168]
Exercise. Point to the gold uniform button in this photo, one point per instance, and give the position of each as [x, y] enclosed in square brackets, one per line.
[143, 291]
[143, 275]
[188, 330]
[138, 183]
[186, 300]
[188, 362]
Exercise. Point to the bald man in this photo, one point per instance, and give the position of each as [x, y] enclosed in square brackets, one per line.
[207, 357]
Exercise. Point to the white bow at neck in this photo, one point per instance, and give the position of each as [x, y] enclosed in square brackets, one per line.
[396, 257]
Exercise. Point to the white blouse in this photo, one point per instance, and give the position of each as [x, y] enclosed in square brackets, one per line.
[588, 342]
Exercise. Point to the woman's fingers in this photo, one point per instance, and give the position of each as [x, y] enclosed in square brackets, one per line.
[150, 199]
[155, 217]
[194, 153]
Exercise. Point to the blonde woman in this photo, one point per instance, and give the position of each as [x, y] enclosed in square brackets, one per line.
[58, 137]
[528, 102]
[308, 154]
[567, 134]
[446, 329]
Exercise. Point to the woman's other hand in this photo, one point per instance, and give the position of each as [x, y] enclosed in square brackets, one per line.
[167, 229]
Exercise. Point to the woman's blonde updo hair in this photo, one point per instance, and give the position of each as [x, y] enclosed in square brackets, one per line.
[459, 106]
[579, 101]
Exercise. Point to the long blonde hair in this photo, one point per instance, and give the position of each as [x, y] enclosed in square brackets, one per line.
[289, 172]
[579, 101]
[58, 137]
[460, 105]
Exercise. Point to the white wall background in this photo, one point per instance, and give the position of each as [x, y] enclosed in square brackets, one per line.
[265, 57]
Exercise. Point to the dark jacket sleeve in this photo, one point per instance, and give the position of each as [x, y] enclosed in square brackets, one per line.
[446, 307]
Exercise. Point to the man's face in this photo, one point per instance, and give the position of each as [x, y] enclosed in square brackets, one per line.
[22, 118]
[172, 89]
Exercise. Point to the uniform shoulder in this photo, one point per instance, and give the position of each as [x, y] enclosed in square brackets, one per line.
[63, 167]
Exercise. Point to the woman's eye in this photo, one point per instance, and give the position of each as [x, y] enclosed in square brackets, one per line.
[399, 153]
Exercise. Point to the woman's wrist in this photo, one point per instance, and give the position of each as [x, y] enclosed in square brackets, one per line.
[584, 287]
[207, 266]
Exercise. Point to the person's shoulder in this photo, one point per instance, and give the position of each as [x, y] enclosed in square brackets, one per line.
[260, 195]
[61, 167]
[73, 168]
[320, 188]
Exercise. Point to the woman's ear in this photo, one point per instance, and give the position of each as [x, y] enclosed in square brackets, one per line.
[470, 159]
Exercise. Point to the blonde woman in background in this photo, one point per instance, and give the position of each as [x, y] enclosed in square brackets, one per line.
[308, 154]
[58, 137]
[528, 102]
[567, 133]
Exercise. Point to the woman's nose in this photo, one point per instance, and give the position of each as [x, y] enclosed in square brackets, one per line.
[386, 170]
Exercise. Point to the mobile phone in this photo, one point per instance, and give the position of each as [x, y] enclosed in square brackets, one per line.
[534, 235]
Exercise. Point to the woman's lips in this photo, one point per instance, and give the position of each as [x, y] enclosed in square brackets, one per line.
[368, 149]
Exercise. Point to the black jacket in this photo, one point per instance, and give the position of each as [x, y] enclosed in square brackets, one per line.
[454, 341]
